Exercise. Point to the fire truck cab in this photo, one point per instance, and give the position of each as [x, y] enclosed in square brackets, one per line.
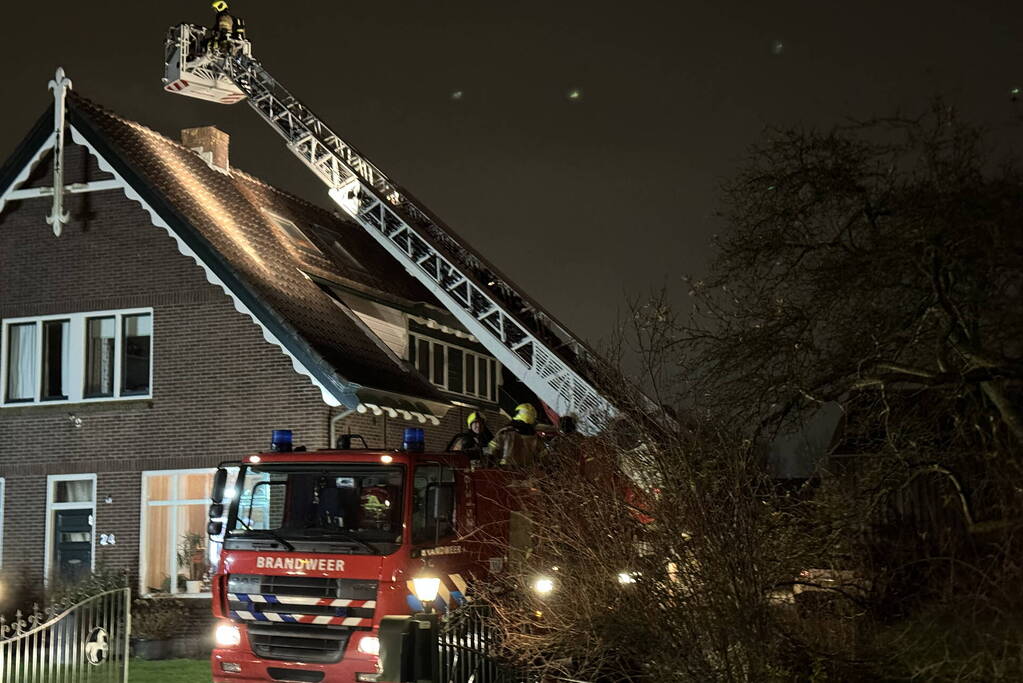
[318, 546]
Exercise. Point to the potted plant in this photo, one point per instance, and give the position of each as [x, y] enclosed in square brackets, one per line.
[154, 623]
[192, 558]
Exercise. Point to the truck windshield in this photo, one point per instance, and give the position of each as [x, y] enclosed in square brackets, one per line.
[353, 504]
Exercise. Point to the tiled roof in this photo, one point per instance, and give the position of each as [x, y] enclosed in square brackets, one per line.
[228, 217]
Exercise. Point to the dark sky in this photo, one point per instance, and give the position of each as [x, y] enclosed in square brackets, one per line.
[581, 200]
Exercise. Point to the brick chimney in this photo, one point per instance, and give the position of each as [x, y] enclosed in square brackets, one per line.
[210, 143]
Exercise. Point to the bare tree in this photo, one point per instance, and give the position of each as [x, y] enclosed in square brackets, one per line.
[878, 267]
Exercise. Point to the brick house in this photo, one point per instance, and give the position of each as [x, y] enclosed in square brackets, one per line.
[185, 311]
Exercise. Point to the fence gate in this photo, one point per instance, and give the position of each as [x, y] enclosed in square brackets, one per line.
[84, 643]
[468, 648]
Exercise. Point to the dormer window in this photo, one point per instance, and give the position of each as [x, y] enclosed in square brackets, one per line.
[455, 369]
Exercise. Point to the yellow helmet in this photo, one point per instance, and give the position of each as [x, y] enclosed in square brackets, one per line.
[220, 5]
[525, 412]
[473, 416]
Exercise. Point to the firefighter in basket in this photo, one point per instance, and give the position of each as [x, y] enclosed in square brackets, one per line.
[226, 27]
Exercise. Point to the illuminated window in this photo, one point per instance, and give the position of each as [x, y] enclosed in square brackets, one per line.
[175, 554]
[174, 549]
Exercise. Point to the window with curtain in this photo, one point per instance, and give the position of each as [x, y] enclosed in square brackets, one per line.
[21, 362]
[174, 517]
[77, 357]
[174, 513]
[99, 357]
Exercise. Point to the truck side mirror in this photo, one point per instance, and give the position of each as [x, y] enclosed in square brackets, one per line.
[216, 510]
[440, 507]
[215, 528]
[219, 484]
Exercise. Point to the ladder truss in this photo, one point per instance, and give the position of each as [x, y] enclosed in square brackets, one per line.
[554, 364]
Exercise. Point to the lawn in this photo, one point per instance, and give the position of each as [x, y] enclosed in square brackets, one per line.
[169, 671]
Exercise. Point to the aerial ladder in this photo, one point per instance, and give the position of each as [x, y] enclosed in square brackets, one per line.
[556, 366]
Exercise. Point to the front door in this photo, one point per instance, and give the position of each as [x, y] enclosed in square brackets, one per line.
[73, 543]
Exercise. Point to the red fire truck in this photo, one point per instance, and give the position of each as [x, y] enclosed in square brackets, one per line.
[319, 546]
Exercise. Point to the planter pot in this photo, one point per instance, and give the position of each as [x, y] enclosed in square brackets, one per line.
[151, 649]
[193, 586]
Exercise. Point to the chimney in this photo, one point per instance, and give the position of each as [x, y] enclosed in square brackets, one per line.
[210, 143]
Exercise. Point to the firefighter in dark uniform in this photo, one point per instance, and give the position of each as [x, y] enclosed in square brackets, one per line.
[474, 439]
[226, 26]
[517, 445]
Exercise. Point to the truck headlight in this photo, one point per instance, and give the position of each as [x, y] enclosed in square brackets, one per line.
[243, 583]
[369, 645]
[228, 635]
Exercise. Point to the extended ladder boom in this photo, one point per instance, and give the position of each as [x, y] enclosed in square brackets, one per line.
[549, 359]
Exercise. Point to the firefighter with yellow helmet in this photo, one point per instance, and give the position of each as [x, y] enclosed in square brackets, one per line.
[474, 438]
[226, 26]
[517, 444]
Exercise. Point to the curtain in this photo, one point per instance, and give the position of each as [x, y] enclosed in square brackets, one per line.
[21, 362]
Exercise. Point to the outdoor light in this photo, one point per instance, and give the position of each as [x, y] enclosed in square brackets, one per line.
[386, 459]
[231, 667]
[544, 585]
[228, 635]
[369, 645]
[254, 459]
[426, 588]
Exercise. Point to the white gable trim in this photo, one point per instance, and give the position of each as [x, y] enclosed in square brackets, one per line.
[23, 175]
[119, 183]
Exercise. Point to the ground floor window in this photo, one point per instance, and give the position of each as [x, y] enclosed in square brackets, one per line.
[70, 511]
[176, 555]
[173, 552]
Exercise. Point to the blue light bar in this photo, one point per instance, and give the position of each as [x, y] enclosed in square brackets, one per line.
[280, 442]
[414, 440]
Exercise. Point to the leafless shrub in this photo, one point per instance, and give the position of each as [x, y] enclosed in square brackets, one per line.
[876, 267]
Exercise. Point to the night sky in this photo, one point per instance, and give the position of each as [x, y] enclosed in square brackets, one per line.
[578, 145]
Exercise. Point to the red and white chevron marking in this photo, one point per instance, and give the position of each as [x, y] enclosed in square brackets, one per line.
[299, 600]
[321, 620]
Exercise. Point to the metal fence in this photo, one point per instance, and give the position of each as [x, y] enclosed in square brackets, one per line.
[87, 642]
[468, 647]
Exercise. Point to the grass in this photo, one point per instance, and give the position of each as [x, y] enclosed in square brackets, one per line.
[169, 671]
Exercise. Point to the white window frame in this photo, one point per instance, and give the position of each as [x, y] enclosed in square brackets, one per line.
[143, 519]
[77, 350]
[51, 507]
[3, 502]
[467, 354]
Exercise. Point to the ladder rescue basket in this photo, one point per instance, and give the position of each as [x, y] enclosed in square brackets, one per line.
[191, 68]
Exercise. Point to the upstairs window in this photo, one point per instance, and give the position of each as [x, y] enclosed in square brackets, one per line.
[77, 357]
[454, 369]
